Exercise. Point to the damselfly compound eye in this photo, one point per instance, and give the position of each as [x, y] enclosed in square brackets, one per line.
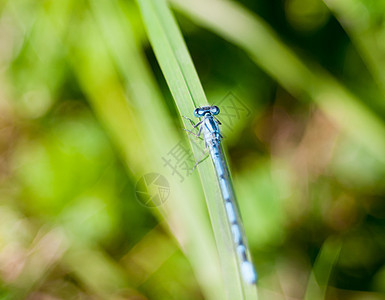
[198, 112]
[214, 110]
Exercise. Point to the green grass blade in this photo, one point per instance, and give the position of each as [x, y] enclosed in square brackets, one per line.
[186, 89]
[144, 122]
[249, 32]
[161, 133]
[318, 281]
[358, 19]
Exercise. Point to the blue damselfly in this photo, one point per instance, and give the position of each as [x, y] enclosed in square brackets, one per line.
[209, 128]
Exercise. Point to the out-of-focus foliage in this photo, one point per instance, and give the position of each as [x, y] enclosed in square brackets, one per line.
[85, 113]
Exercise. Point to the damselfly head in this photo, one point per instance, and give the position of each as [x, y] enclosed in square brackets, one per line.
[201, 111]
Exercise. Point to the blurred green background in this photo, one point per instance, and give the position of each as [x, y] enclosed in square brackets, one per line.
[85, 113]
